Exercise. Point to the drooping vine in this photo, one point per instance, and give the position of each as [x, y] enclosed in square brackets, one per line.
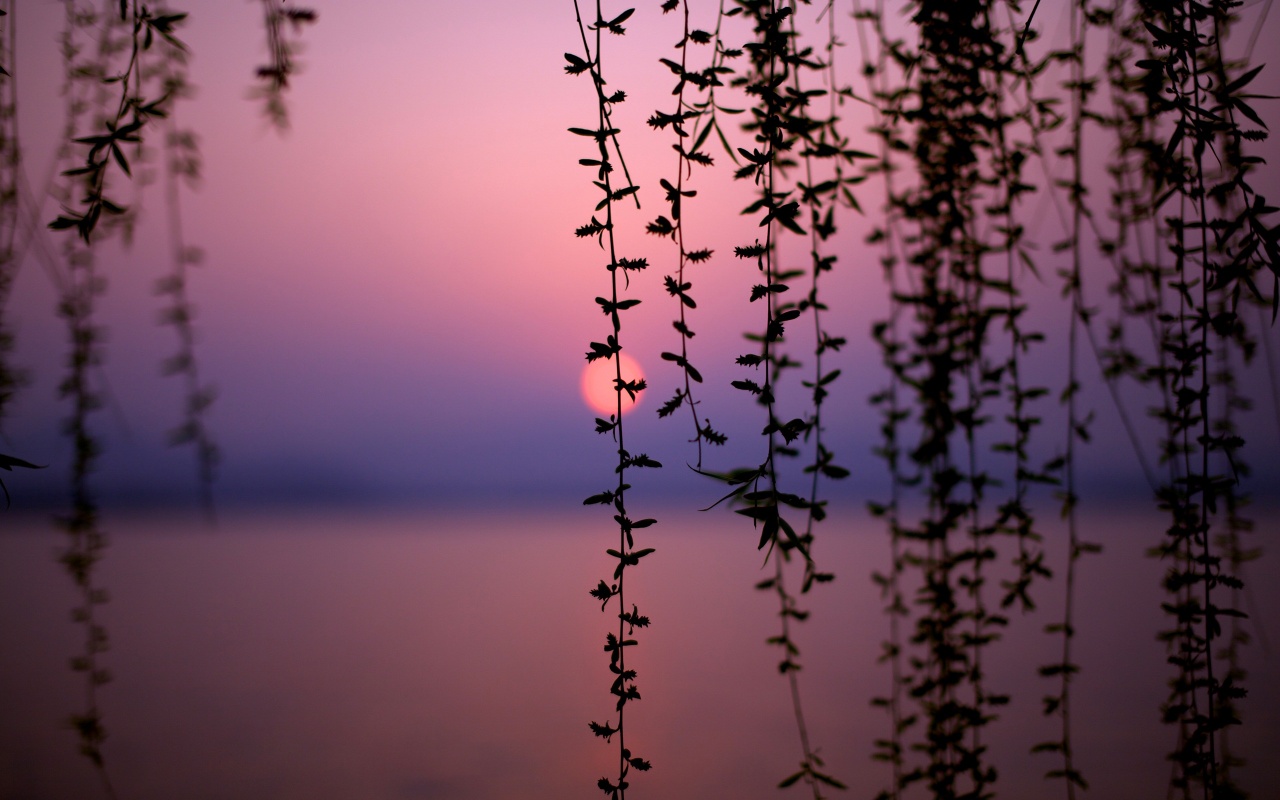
[623, 682]
[674, 227]
[961, 109]
[182, 167]
[822, 147]
[283, 23]
[1243, 239]
[938, 358]
[709, 109]
[125, 118]
[114, 99]
[124, 69]
[949, 113]
[886, 128]
[88, 93]
[1080, 87]
[1192, 244]
[1014, 102]
[1208, 248]
[1231, 545]
[12, 377]
[778, 117]
[10, 160]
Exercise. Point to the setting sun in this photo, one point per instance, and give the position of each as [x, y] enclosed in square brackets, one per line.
[597, 384]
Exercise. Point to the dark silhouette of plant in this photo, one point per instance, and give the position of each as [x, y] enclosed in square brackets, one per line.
[674, 227]
[825, 187]
[961, 120]
[825, 155]
[1080, 87]
[960, 123]
[10, 161]
[623, 685]
[104, 97]
[125, 70]
[122, 123]
[1234, 196]
[887, 129]
[283, 23]
[779, 122]
[182, 166]
[952, 106]
[1209, 247]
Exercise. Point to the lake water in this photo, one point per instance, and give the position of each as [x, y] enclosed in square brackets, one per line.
[458, 655]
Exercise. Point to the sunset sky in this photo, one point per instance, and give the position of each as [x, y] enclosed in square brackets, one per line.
[394, 309]
[393, 305]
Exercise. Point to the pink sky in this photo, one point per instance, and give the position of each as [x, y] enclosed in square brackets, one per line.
[392, 297]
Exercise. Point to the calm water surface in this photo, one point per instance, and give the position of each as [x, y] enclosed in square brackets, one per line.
[436, 655]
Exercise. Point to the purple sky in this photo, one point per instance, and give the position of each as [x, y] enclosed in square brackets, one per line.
[393, 305]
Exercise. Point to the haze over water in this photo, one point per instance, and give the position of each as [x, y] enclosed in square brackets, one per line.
[438, 655]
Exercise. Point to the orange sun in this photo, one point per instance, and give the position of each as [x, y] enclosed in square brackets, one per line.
[597, 384]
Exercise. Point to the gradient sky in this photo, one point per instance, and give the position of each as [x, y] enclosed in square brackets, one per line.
[393, 305]
[394, 309]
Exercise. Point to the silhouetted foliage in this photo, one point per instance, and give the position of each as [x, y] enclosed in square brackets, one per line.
[124, 67]
[623, 683]
[969, 104]
[965, 112]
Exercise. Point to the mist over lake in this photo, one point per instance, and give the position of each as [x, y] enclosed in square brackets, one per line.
[446, 655]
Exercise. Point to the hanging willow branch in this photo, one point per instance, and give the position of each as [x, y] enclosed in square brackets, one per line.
[674, 227]
[182, 167]
[283, 23]
[11, 378]
[778, 115]
[623, 684]
[93, 86]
